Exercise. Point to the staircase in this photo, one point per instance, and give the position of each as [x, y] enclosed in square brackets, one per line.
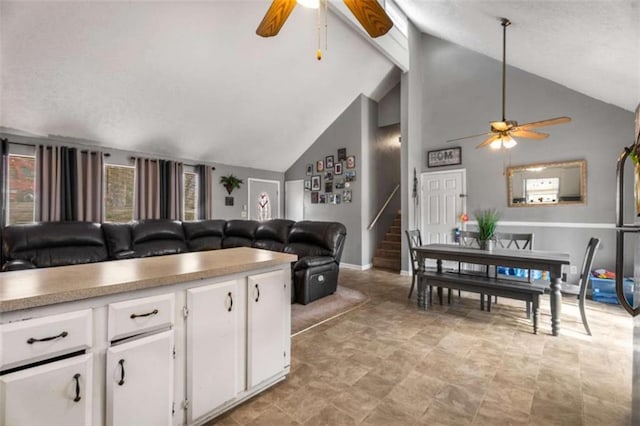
[388, 254]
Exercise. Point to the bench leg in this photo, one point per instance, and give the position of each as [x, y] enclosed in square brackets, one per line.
[482, 301]
[489, 303]
[440, 295]
[448, 296]
[536, 313]
[431, 295]
[528, 310]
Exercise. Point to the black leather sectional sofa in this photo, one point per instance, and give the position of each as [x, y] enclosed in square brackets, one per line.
[318, 245]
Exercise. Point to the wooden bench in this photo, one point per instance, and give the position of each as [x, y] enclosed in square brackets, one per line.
[492, 286]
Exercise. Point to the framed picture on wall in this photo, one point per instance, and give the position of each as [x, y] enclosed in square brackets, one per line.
[351, 162]
[314, 198]
[315, 183]
[346, 196]
[307, 184]
[328, 186]
[338, 168]
[342, 154]
[309, 169]
[328, 162]
[350, 176]
[320, 166]
[323, 199]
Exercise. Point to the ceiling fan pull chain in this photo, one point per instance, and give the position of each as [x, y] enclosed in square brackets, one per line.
[326, 31]
[319, 25]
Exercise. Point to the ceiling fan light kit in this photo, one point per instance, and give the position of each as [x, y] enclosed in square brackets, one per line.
[369, 13]
[502, 132]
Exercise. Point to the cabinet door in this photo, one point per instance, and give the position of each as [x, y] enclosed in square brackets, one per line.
[267, 308]
[58, 393]
[140, 381]
[215, 346]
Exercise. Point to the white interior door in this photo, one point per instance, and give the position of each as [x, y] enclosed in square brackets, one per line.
[442, 204]
[294, 200]
[264, 199]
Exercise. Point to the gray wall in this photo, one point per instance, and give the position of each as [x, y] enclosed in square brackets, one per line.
[461, 95]
[345, 132]
[389, 108]
[377, 172]
[119, 156]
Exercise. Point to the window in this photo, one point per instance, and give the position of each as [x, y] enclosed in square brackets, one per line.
[190, 195]
[119, 184]
[21, 189]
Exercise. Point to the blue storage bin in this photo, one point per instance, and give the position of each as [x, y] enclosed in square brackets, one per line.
[522, 273]
[604, 290]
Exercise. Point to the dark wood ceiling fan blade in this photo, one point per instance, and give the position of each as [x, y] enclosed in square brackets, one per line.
[528, 134]
[545, 123]
[275, 17]
[469, 137]
[488, 141]
[371, 16]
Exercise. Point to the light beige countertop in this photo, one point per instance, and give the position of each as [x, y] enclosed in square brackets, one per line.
[46, 286]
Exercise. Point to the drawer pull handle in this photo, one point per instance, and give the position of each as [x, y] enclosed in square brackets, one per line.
[77, 379]
[231, 302]
[148, 314]
[258, 290]
[33, 340]
[121, 382]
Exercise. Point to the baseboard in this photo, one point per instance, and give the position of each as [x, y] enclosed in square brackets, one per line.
[356, 267]
[405, 273]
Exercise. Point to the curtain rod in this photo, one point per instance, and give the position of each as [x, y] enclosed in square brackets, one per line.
[132, 158]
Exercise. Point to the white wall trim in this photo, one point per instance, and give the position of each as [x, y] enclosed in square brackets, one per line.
[553, 224]
[404, 273]
[355, 267]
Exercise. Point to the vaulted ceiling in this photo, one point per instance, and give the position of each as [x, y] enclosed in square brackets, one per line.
[192, 80]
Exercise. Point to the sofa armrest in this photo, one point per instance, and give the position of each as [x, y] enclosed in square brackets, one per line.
[312, 261]
[17, 265]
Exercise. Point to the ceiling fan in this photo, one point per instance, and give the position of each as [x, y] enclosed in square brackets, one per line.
[369, 13]
[502, 132]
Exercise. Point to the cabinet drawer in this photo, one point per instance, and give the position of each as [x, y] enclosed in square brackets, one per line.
[140, 315]
[23, 342]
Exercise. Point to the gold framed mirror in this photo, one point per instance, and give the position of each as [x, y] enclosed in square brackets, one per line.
[547, 184]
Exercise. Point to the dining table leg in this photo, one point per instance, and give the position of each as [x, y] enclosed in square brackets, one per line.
[555, 297]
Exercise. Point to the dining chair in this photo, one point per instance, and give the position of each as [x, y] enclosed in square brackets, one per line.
[579, 289]
[471, 239]
[414, 239]
[515, 241]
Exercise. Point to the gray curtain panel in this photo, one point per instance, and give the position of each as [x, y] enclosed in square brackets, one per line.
[48, 183]
[147, 203]
[205, 193]
[171, 190]
[4, 163]
[88, 196]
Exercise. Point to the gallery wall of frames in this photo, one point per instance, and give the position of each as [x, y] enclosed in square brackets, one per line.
[329, 179]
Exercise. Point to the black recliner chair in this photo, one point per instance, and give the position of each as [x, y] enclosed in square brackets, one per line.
[319, 246]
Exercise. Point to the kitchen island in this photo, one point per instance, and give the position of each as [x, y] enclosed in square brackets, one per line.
[174, 339]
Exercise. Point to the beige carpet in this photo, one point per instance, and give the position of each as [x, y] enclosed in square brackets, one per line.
[304, 317]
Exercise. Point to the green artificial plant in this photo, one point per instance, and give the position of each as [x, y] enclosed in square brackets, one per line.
[230, 182]
[487, 223]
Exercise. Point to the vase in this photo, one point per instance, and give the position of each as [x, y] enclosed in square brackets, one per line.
[486, 245]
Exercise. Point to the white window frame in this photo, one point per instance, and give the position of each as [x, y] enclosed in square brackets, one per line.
[196, 195]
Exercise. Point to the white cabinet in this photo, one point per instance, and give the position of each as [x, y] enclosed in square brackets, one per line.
[58, 393]
[215, 346]
[140, 381]
[268, 301]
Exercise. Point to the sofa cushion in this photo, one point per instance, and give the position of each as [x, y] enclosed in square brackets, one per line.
[157, 237]
[118, 239]
[48, 244]
[272, 234]
[239, 233]
[204, 234]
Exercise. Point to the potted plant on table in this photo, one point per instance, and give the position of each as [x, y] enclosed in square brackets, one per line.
[487, 223]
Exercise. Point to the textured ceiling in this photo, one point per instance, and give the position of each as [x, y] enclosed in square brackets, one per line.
[592, 47]
[187, 79]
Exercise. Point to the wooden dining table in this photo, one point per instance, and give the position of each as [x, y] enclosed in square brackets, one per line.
[526, 259]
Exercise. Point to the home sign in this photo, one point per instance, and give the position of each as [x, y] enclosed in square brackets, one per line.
[444, 157]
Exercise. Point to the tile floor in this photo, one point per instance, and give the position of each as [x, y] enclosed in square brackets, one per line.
[388, 363]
